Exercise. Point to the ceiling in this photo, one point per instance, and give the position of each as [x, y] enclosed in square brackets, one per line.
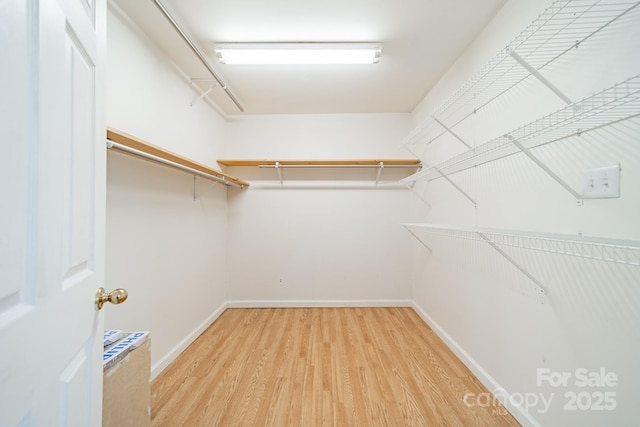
[421, 39]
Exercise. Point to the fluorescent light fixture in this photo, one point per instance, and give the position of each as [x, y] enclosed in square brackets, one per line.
[298, 53]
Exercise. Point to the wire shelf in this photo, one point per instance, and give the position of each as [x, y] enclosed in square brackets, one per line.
[617, 103]
[625, 252]
[563, 26]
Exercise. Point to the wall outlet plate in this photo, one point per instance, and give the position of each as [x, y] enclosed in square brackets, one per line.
[601, 183]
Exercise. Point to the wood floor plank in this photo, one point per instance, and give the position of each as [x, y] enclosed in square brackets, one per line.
[319, 367]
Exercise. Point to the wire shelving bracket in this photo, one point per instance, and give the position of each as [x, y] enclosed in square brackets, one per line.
[456, 186]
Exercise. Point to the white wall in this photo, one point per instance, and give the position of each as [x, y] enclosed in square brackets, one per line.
[164, 247]
[487, 310]
[325, 237]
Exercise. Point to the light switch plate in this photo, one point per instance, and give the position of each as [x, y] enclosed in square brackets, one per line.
[601, 183]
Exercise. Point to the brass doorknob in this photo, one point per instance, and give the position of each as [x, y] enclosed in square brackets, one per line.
[117, 296]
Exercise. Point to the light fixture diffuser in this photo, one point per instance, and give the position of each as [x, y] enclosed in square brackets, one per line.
[298, 53]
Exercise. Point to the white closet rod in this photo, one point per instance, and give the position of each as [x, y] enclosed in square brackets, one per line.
[124, 148]
[323, 185]
[197, 52]
[280, 166]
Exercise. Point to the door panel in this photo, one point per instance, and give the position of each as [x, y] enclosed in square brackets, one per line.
[52, 211]
[78, 182]
[89, 7]
[74, 402]
[15, 33]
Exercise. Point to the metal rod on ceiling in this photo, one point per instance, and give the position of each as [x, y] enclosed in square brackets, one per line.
[199, 54]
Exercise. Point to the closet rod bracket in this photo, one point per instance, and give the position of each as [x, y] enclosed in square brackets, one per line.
[379, 171]
[194, 188]
[279, 170]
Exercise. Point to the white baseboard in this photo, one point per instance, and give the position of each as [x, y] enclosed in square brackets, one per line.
[317, 303]
[166, 360]
[523, 417]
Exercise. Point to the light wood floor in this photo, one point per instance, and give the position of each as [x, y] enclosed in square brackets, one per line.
[319, 366]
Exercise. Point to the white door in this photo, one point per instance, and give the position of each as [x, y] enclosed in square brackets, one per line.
[52, 211]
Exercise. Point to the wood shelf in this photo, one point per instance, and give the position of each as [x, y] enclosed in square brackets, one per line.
[279, 165]
[332, 162]
[167, 157]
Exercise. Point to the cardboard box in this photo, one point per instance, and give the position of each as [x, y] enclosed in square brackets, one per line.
[126, 397]
[111, 337]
